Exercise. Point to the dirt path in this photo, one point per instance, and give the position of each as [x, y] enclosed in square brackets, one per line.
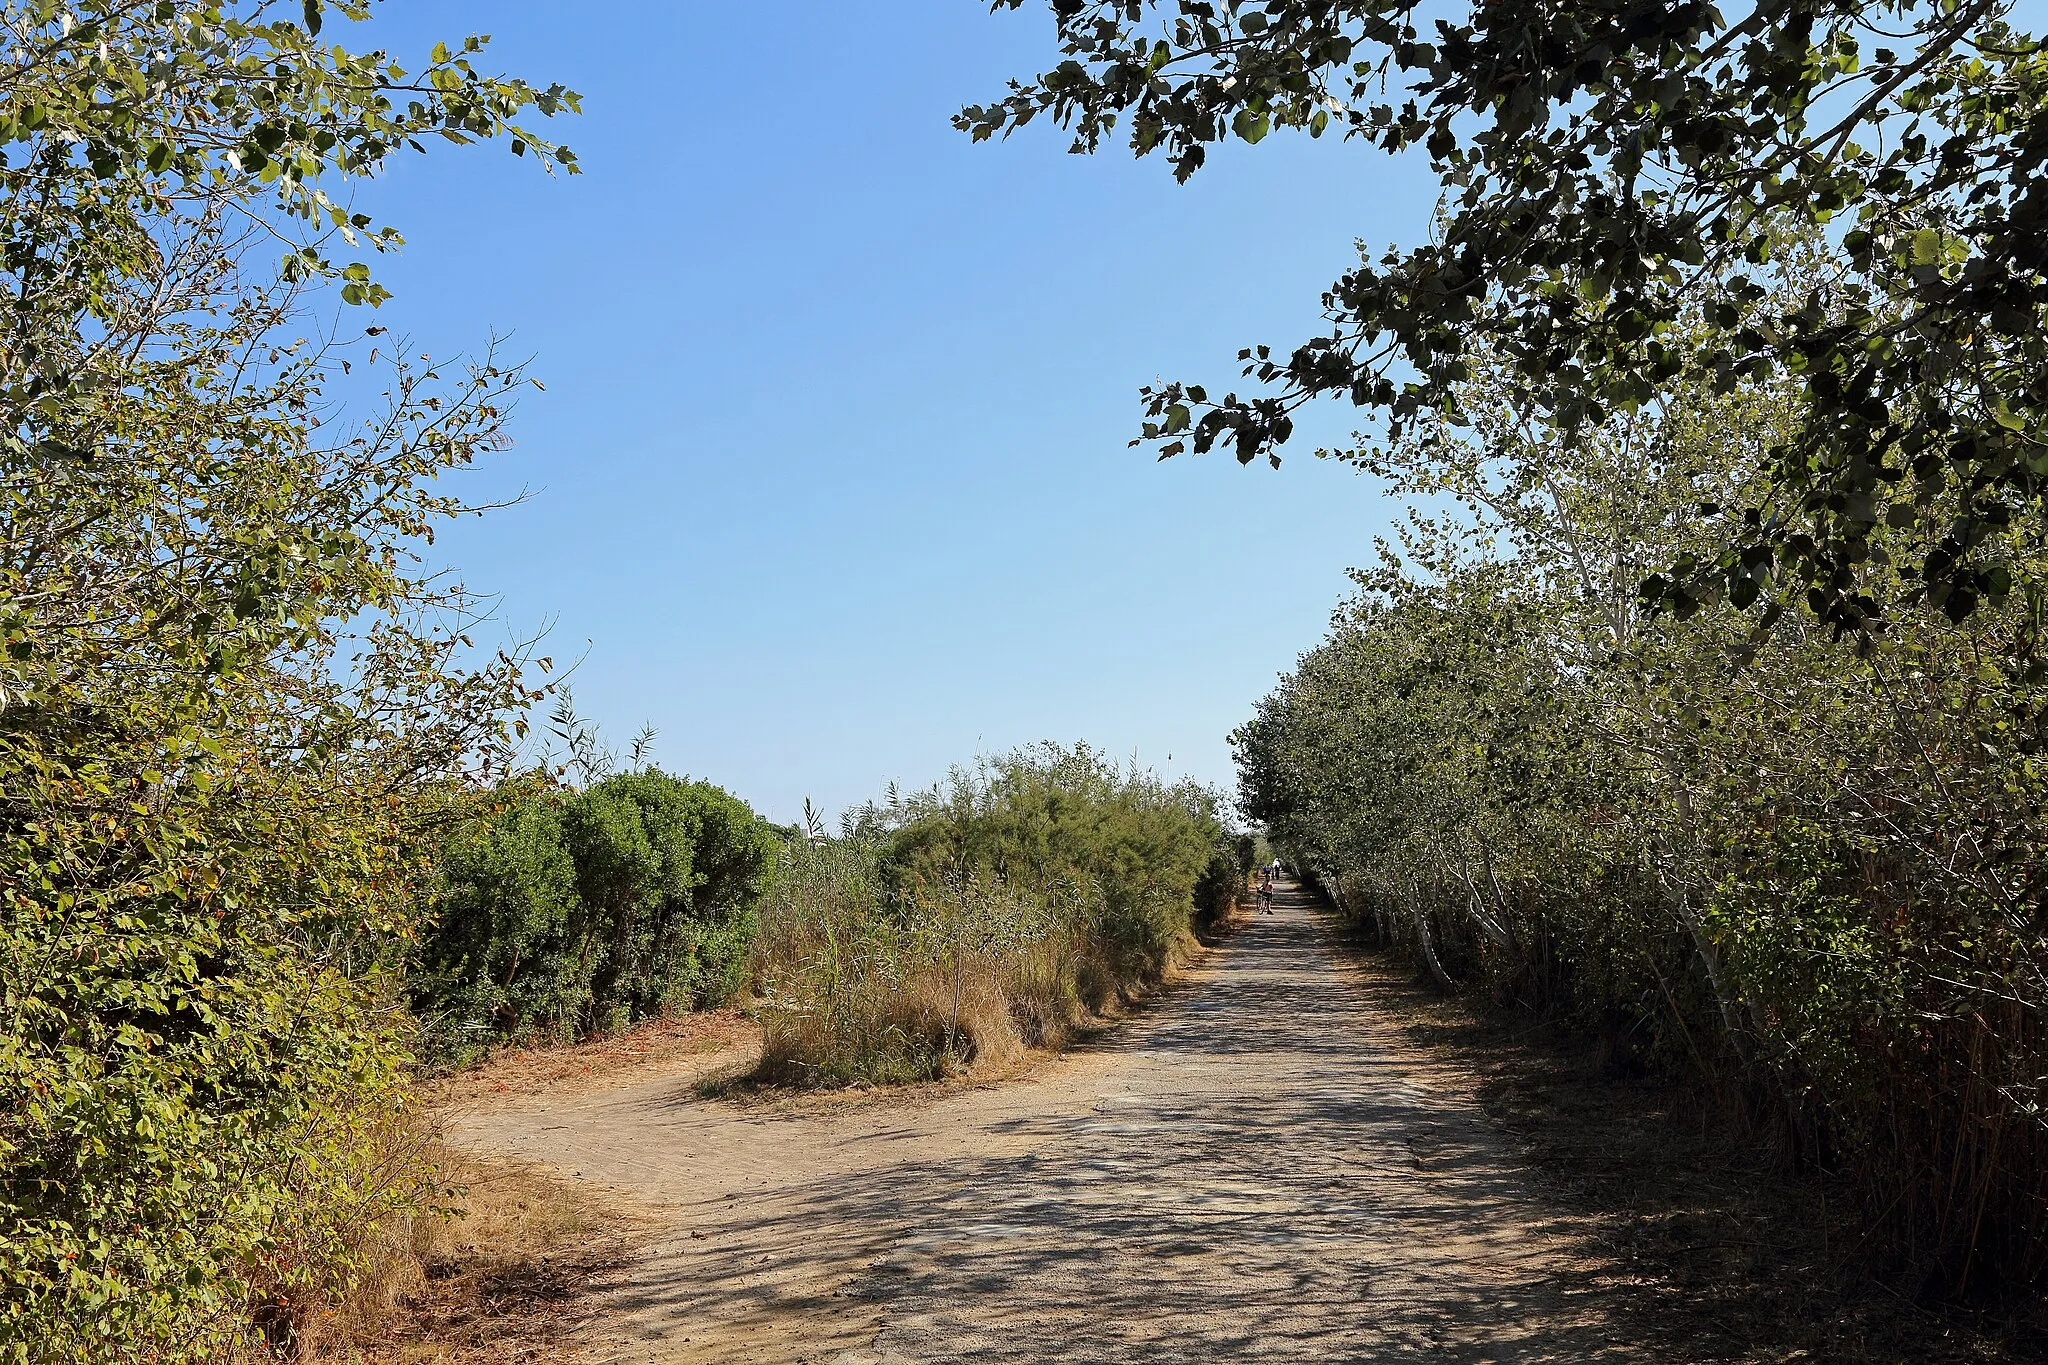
[1262, 1167]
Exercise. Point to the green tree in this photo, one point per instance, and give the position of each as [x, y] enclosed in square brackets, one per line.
[224, 689]
[558, 911]
[1789, 870]
[668, 871]
[1614, 173]
[630, 839]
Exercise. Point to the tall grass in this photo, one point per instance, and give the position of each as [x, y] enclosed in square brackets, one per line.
[997, 912]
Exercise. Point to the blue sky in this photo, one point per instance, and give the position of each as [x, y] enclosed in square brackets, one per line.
[830, 482]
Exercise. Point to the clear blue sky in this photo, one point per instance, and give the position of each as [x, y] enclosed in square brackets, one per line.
[830, 482]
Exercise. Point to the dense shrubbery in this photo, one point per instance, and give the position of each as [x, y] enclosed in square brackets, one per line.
[1808, 873]
[1000, 909]
[224, 689]
[562, 912]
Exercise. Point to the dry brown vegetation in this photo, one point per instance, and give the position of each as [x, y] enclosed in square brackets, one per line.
[892, 1031]
[656, 1047]
[504, 1272]
[1729, 1257]
[898, 1010]
[502, 1267]
[1000, 911]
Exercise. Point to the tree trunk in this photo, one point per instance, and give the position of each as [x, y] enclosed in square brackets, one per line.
[1429, 957]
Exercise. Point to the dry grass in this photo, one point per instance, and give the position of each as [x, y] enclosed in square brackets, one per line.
[1006, 1028]
[504, 1273]
[1051, 992]
[1731, 1258]
[984, 1015]
[657, 1047]
[885, 1032]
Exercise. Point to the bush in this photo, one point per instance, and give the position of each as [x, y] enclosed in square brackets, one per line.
[226, 681]
[562, 912]
[1224, 880]
[1001, 910]
[495, 959]
[1047, 818]
[848, 982]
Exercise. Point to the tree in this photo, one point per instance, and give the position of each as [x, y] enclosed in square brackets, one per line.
[630, 837]
[500, 955]
[1613, 170]
[225, 687]
[1809, 878]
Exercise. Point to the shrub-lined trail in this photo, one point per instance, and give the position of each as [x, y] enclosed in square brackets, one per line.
[1262, 1166]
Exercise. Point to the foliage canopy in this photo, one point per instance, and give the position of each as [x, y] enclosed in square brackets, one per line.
[1614, 170]
[224, 682]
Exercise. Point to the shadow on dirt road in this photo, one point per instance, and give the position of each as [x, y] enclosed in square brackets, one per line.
[1262, 1167]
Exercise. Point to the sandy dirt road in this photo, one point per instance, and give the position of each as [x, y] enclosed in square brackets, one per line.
[1261, 1167]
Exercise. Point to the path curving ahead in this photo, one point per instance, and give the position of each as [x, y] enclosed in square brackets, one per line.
[1262, 1167]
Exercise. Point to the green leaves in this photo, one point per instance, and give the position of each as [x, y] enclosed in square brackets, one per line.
[1025, 883]
[1811, 868]
[562, 912]
[224, 699]
[359, 288]
[1638, 161]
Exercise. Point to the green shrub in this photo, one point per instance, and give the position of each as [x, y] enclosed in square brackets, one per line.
[496, 960]
[1224, 880]
[565, 912]
[1000, 910]
[1046, 817]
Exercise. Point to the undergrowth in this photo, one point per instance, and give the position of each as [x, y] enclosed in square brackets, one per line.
[998, 912]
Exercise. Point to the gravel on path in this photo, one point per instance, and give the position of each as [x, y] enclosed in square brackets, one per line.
[1260, 1167]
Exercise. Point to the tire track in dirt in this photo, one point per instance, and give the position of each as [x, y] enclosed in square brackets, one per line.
[1261, 1166]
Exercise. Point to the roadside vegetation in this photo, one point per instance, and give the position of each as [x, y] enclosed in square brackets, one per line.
[227, 690]
[562, 912]
[1806, 874]
[501, 1268]
[998, 911]
[952, 927]
[1705, 700]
